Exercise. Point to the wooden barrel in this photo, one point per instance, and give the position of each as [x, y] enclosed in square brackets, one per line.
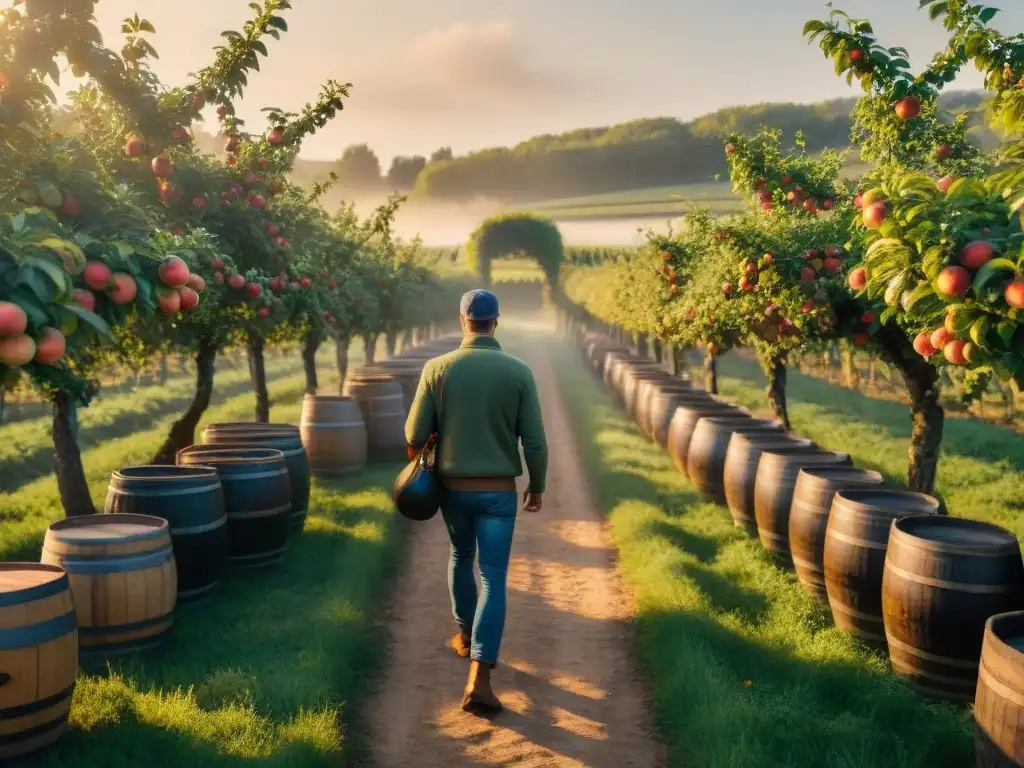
[295, 458]
[234, 427]
[625, 369]
[999, 700]
[856, 538]
[705, 456]
[362, 387]
[808, 519]
[257, 499]
[647, 390]
[38, 657]
[405, 372]
[334, 433]
[191, 500]
[661, 406]
[123, 580]
[385, 428]
[773, 493]
[632, 385]
[740, 473]
[944, 577]
[684, 421]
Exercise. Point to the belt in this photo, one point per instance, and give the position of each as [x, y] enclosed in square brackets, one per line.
[479, 484]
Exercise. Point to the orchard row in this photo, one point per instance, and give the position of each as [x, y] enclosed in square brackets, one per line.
[120, 240]
[921, 260]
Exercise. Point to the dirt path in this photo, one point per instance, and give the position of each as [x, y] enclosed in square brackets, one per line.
[565, 676]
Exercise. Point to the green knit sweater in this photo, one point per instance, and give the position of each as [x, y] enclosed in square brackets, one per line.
[487, 401]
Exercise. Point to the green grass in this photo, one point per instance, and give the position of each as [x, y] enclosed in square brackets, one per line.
[745, 668]
[264, 672]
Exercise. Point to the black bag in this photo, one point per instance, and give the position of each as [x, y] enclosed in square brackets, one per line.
[417, 492]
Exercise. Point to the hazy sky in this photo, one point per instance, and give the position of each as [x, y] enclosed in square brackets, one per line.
[478, 73]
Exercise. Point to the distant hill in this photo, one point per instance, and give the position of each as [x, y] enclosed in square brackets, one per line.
[641, 154]
[654, 152]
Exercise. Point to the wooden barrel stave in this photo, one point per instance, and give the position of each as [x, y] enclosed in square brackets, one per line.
[38, 657]
[257, 500]
[815, 490]
[944, 577]
[191, 499]
[334, 434]
[123, 580]
[385, 428]
[662, 406]
[740, 473]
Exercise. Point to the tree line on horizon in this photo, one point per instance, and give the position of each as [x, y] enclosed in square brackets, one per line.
[651, 152]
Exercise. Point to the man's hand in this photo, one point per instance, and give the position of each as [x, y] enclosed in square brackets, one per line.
[532, 502]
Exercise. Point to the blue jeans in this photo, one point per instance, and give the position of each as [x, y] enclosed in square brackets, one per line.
[484, 522]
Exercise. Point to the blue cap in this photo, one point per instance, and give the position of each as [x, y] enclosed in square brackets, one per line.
[479, 305]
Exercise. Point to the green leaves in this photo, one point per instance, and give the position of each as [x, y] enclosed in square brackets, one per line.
[990, 279]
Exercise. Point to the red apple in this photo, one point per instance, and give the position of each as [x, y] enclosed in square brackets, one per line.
[250, 178]
[953, 281]
[277, 285]
[908, 108]
[1014, 293]
[304, 282]
[729, 149]
[923, 344]
[280, 240]
[217, 264]
[170, 302]
[726, 288]
[941, 337]
[861, 339]
[273, 231]
[97, 275]
[868, 318]
[173, 272]
[768, 258]
[787, 179]
[954, 351]
[196, 283]
[237, 282]
[276, 185]
[253, 289]
[745, 284]
[750, 268]
[134, 146]
[257, 201]
[276, 136]
[858, 279]
[767, 207]
[162, 166]
[124, 289]
[832, 265]
[858, 201]
[875, 215]
[188, 298]
[944, 183]
[976, 254]
[943, 151]
[69, 206]
[199, 202]
[827, 205]
[833, 252]
[17, 350]
[808, 306]
[85, 299]
[807, 275]
[332, 284]
[263, 312]
[856, 55]
[13, 320]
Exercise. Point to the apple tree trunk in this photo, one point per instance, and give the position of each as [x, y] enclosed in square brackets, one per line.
[341, 345]
[711, 373]
[310, 345]
[71, 482]
[370, 348]
[258, 377]
[390, 343]
[183, 432]
[775, 368]
[656, 345]
[642, 348]
[926, 413]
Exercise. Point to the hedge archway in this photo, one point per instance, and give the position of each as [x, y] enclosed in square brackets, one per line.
[512, 233]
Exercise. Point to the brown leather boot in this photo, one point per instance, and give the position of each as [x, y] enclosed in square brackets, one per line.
[460, 643]
[479, 698]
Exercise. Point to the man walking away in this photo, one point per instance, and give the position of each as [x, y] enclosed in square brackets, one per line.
[481, 402]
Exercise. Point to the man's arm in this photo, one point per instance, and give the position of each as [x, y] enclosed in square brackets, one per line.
[530, 427]
[422, 420]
